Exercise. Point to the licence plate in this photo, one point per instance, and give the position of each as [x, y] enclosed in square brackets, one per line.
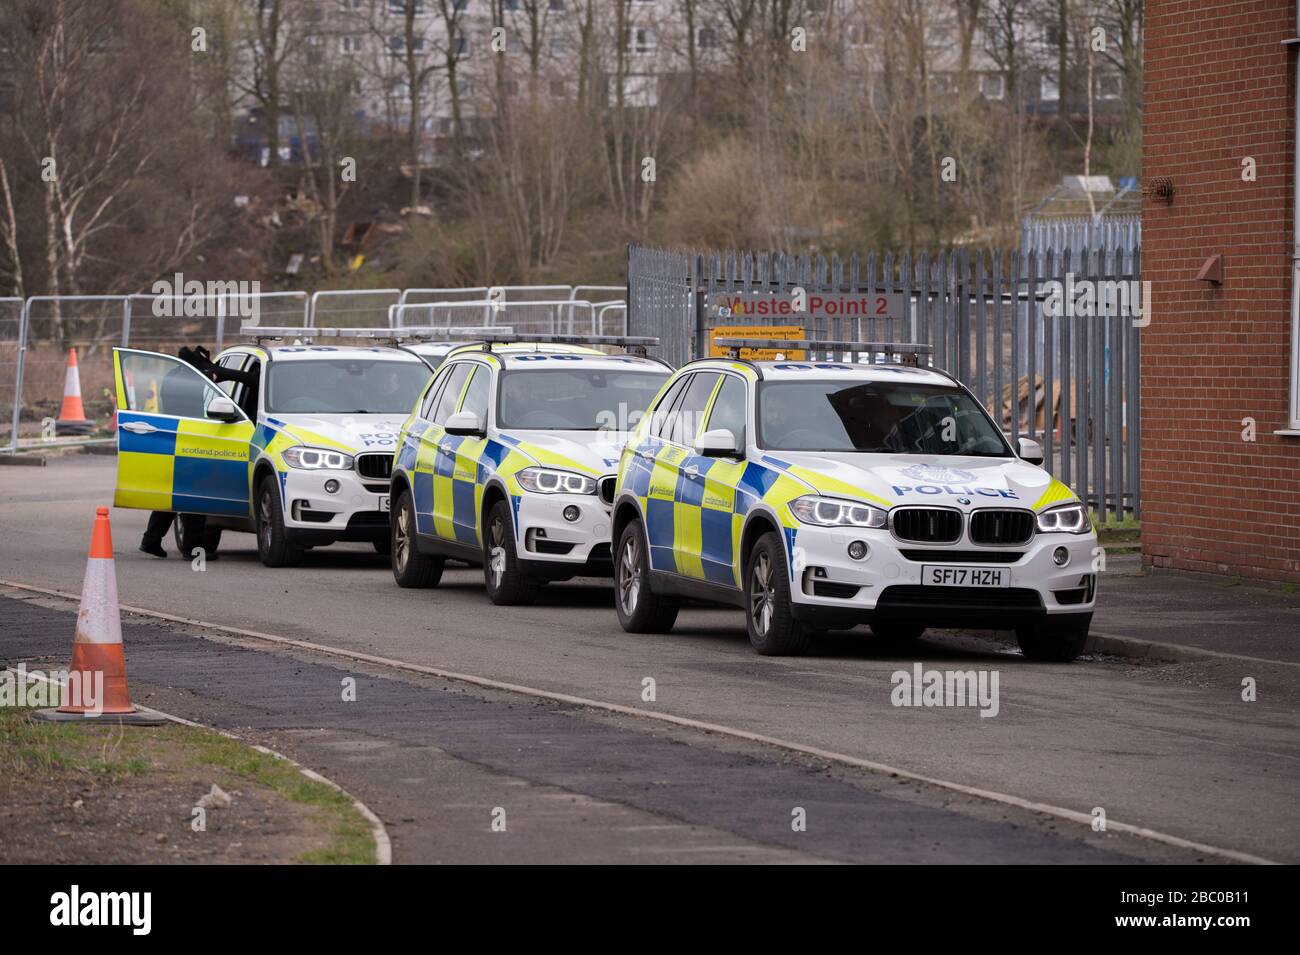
[383, 503]
[933, 575]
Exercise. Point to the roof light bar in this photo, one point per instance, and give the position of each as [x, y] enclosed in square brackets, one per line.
[908, 353]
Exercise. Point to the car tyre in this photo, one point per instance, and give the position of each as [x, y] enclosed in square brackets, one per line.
[410, 567]
[773, 631]
[274, 548]
[640, 610]
[1055, 639]
[507, 584]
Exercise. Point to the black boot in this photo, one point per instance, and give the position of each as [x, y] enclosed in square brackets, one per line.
[152, 547]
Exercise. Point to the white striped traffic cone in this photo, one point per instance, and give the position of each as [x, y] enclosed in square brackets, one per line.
[97, 677]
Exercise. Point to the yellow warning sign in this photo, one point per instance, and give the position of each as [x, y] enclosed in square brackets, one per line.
[772, 332]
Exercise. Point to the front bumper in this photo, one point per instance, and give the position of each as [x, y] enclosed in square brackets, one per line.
[313, 516]
[551, 547]
[832, 589]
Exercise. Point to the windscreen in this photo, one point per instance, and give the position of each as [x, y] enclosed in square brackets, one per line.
[351, 386]
[874, 416]
[575, 399]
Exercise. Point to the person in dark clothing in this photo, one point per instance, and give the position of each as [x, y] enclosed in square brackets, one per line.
[181, 395]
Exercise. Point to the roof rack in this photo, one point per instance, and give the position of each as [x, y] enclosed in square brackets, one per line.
[410, 333]
[634, 344]
[907, 353]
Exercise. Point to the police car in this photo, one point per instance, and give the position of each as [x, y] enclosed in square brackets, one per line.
[299, 453]
[818, 495]
[508, 460]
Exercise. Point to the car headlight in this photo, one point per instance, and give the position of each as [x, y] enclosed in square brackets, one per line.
[830, 512]
[552, 481]
[1070, 519]
[316, 459]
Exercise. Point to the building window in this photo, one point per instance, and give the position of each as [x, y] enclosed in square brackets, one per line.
[640, 40]
[399, 7]
[993, 86]
[558, 45]
[706, 38]
[1048, 90]
[558, 88]
[350, 45]
[859, 34]
[557, 6]
[1109, 87]
[1051, 35]
[397, 45]
[461, 46]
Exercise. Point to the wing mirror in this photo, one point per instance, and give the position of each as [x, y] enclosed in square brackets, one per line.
[718, 443]
[222, 409]
[464, 422]
[1031, 451]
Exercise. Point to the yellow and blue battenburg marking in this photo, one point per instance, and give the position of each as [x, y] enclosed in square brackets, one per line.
[184, 465]
[694, 521]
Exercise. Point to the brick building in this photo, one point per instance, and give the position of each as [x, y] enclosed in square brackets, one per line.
[1220, 98]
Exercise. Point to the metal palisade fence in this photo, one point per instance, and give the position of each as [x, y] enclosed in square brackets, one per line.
[1046, 339]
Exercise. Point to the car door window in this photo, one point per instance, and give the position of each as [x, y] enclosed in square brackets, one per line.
[431, 396]
[689, 412]
[476, 396]
[447, 401]
[661, 419]
[234, 362]
[729, 409]
[159, 384]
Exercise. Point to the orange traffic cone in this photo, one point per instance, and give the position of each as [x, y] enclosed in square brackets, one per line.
[97, 677]
[72, 416]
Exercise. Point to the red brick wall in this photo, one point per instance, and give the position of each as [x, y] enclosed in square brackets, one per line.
[1218, 89]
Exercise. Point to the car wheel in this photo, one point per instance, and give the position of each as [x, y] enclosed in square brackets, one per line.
[896, 631]
[773, 631]
[640, 610]
[274, 548]
[189, 533]
[410, 567]
[1055, 639]
[507, 584]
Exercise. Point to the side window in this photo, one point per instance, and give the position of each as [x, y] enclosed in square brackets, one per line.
[476, 398]
[431, 396]
[729, 409]
[247, 395]
[690, 410]
[662, 418]
[157, 384]
[456, 379]
[235, 362]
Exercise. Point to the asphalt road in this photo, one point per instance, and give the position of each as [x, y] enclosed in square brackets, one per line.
[1169, 747]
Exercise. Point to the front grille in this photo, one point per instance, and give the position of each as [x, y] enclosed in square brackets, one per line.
[962, 556]
[930, 525]
[913, 595]
[375, 466]
[1001, 527]
[605, 487]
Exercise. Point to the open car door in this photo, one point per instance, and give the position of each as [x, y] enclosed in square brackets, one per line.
[182, 445]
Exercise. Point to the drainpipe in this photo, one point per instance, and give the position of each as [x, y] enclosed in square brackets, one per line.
[1293, 411]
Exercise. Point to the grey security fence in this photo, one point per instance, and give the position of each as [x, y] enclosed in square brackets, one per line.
[1046, 340]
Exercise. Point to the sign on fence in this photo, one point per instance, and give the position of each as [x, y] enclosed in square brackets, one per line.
[773, 332]
[801, 303]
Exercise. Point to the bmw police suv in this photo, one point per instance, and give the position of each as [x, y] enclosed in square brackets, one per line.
[818, 495]
[298, 451]
[508, 460]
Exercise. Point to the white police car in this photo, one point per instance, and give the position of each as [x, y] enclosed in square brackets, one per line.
[300, 453]
[818, 495]
[508, 460]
